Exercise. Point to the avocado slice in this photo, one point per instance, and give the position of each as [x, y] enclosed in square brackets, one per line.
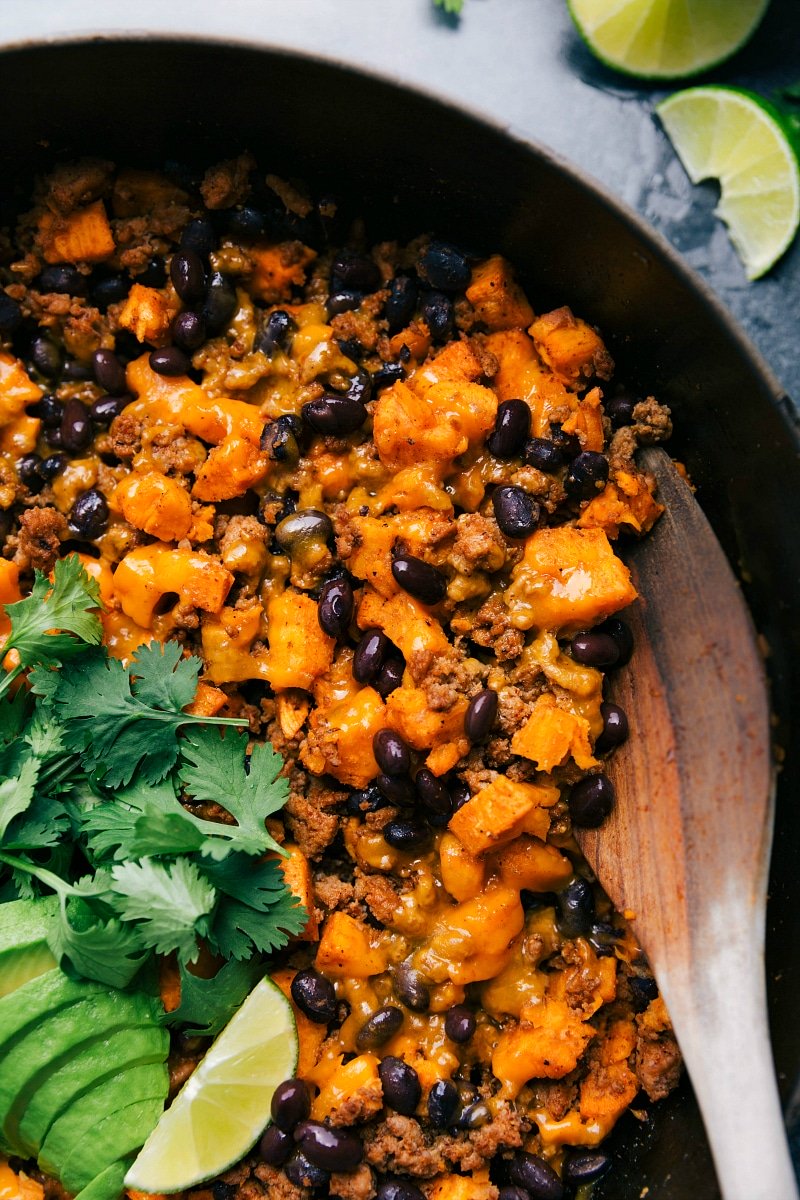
[118, 1135]
[93, 1062]
[24, 953]
[77, 1128]
[45, 995]
[108, 1184]
[32, 1057]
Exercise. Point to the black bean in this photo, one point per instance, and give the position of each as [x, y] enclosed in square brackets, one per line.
[276, 332]
[331, 1149]
[354, 272]
[474, 1116]
[109, 289]
[280, 439]
[360, 387]
[219, 304]
[513, 1193]
[76, 372]
[644, 990]
[342, 302]
[585, 1166]
[29, 471]
[621, 633]
[459, 792]
[300, 1171]
[543, 454]
[299, 528]
[443, 1100]
[76, 427]
[188, 275]
[105, 410]
[402, 302]
[334, 415]
[224, 1191]
[188, 331]
[290, 1104]
[108, 371]
[398, 1189]
[591, 800]
[275, 1146]
[391, 752]
[402, 1090]
[199, 236]
[409, 836]
[48, 409]
[426, 583]
[246, 222]
[615, 727]
[369, 655]
[52, 466]
[433, 794]
[351, 348]
[515, 511]
[315, 995]
[398, 789]
[533, 1173]
[154, 275]
[444, 268]
[89, 514]
[481, 715]
[64, 279]
[460, 1023]
[10, 314]
[335, 607]
[388, 375]
[568, 443]
[53, 437]
[127, 347]
[619, 408]
[390, 676]
[594, 648]
[576, 908]
[411, 988]
[46, 356]
[169, 361]
[437, 313]
[511, 429]
[368, 799]
[603, 937]
[587, 475]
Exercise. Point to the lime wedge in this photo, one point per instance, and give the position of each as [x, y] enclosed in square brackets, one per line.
[665, 39]
[741, 140]
[223, 1107]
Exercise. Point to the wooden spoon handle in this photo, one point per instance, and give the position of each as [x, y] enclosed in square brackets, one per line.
[725, 1042]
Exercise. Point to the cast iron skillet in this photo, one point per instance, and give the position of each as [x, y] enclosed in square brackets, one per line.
[410, 163]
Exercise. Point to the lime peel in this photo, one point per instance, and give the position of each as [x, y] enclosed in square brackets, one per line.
[665, 39]
[742, 141]
[198, 1137]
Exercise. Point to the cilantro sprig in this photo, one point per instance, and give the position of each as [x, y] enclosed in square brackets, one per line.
[101, 768]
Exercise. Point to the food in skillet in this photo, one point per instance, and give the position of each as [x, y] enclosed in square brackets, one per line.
[362, 500]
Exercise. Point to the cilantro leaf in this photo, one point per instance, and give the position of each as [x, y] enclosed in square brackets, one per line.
[66, 605]
[17, 789]
[208, 1004]
[170, 902]
[164, 678]
[110, 824]
[237, 930]
[214, 771]
[13, 715]
[258, 883]
[42, 825]
[97, 946]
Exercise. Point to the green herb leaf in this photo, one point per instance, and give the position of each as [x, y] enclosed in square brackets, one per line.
[258, 883]
[99, 947]
[237, 930]
[208, 1004]
[450, 6]
[13, 715]
[42, 825]
[65, 605]
[215, 771]
[170, 902]
[17, 789]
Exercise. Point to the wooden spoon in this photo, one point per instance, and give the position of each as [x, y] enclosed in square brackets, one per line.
[687, 845]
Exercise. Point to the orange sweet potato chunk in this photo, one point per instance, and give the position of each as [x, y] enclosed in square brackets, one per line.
[532, 865]
[409, 624]
[570, 347]
[278, 268]
[546, 1044]
[341, 737]
[568, 579]
[299, 651]
[423, 727]
[611, 1085]
[228, 645]
[356, 1082]
[497, 298]
[501, 811]
[148, 314]
[521, 374]
[82, 236]
[348, 949]
[297, 877]
[153, 502]
[552, 734]
[16, 388]
[626, 501]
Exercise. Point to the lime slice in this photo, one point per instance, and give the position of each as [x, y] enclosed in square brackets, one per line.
[665, 39]
[741, 140]
[223, 1107]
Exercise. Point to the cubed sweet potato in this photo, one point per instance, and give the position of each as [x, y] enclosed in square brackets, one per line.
[463, 874]
[20, 436]
[297, 877]
[570, 347]
[155, 503]
[349, 949]
[18, 1187]
[84, 235]
[497, 298]
[473, 940]
[626, 501]
[611, 1085]
[522, 375]
[551, 735]
[207, 702]
[340, 738]
[352, 1094]
[409, 712]
[546, 1044]
[137, 193]
[568, 579]
[587, 421]
[278, 268]
[414, 630]
[500, 811]
[533, 865]
[231, 469]
[299, 650]
[310, 1034]
[227, 641]
[148, 313]
[16, 388]
[150, 572]
[475, 1186]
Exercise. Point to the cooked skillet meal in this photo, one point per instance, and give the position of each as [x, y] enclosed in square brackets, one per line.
[309, 559]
